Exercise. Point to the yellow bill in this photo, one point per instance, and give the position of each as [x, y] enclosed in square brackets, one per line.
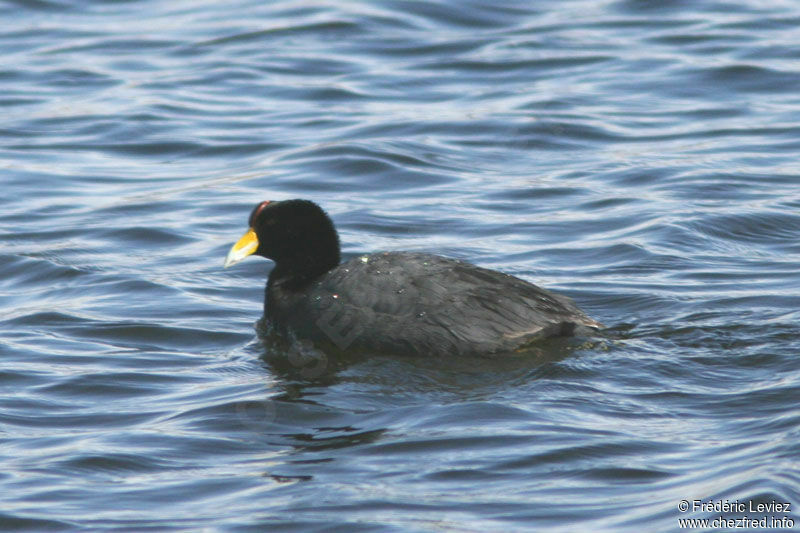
[245, 246]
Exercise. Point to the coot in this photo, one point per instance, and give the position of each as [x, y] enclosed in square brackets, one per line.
[393, 302]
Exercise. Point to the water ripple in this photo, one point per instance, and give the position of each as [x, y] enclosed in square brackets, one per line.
[637, 156]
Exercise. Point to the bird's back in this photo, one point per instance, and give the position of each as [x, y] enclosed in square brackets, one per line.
[414, 303]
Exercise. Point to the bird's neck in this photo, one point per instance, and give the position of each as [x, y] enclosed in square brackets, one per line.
[302, 270]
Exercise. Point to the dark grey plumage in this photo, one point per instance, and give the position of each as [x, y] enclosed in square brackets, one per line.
[397, 302]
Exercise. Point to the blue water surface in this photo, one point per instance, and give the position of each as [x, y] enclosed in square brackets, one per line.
[638, 156]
